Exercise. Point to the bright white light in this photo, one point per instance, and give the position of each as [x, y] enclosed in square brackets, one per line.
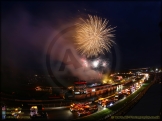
[146, 75]
[77, 92]
[111, 104]
[156, 69]
[93, 90]
[95, 63]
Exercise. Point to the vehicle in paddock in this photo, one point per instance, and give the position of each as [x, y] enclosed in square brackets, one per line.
[87, 110]
[126, 92]
[33, 111]
[34, 114]
[108, 103]
[82, 106]
[100, 100]
[76, 106]
[16, 112]
[118, 96]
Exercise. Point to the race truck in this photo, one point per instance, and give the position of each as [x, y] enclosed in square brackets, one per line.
[88, 109]
[79, 106]
[76, 107]
[34, 114]
[16, 112]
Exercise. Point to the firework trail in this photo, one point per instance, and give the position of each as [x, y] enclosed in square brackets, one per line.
[93, 36]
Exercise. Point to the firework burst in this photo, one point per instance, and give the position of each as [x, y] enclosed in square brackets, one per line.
[93, 36]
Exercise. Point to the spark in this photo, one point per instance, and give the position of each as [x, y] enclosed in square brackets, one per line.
[104, 64]
[93, 36]
[95, 63]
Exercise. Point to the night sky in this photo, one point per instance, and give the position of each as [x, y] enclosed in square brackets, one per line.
[27, 26]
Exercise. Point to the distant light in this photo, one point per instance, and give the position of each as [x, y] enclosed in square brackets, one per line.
[76, 92]
[111, 104]
[104, 81]
[38, 88]
[104, 64]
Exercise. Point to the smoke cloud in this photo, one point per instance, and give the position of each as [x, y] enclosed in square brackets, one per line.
[26, 35]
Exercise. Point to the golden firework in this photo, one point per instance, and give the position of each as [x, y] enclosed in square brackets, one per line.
[93, 36]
